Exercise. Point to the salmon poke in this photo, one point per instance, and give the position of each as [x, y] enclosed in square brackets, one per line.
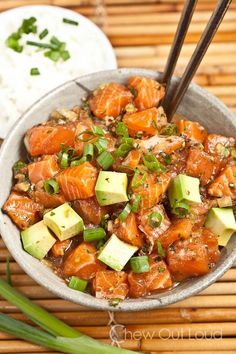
[119, 202]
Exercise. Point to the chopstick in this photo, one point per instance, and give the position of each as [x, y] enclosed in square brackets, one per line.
[180, 35]
[197, 56]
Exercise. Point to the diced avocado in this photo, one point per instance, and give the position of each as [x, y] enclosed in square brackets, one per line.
[184, 189]
[64, 222]
[221, 222]
[116, 253]
[111, 188]
[37, 240]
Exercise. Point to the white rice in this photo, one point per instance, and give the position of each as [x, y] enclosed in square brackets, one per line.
[88, 48]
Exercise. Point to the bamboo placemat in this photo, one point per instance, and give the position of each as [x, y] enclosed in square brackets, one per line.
[141, 32]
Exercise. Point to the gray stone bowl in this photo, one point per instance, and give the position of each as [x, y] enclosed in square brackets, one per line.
[197, 105]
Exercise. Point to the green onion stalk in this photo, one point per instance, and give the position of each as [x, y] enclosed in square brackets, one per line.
[60, 336]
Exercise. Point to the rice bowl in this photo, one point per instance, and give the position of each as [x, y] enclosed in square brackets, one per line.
[89, 48]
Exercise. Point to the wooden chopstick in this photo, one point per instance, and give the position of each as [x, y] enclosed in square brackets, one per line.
[176, 47]
[198, 55]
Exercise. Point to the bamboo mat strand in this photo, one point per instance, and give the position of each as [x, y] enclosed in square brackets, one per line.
[141, 32]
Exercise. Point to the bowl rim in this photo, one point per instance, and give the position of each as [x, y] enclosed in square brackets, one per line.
[139, 304]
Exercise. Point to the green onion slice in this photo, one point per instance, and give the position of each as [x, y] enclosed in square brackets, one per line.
[43, 34]
[125, 212]
[78, 284]
[151, 162]
[121, 129]
[136, 180]
[97, 130]
[136, 204]
[18, 165]
[51, 186]
[181, 209]
[129, 141]
[122, 150]
[160, 249]
[91, 235]
[88, 151]
[70, 22]
[105, 160]
[34, 71]
[101, 145]
[154, 219]
[78, 162]
[85, 140]
[64, 160]
[140, 264]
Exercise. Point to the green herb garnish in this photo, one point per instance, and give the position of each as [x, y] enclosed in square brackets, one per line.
[154, 219]
[70, 22]
[55, 335]
[43, 34]
[34, 71]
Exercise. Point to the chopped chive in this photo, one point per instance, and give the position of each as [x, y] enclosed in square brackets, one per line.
[160, 249]
[140, 264]
[65, 55]
[91, 235]
[70, 22]
[34, 71]
[105, 160]
[40, 45]
[54, 40]
[154, 219]
[13, 43]
[88, 151]
[43, 34]
[125, 212]
[51, 186]
[28, 26]
[54, 55]
[78, 284]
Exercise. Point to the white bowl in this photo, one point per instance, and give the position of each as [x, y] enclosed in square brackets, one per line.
[93, 53]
